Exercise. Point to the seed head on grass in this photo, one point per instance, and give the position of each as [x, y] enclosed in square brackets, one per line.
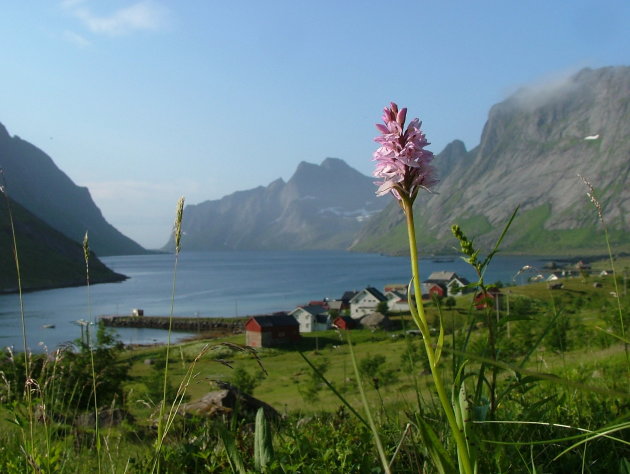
[179, 214]
[593, 197]
[86, 248]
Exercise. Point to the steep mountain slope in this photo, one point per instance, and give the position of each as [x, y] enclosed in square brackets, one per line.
[320, 207]
[48, 259]
[532, 148]
[38, 184]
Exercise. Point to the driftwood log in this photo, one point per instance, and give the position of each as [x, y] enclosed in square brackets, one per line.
[228, 399]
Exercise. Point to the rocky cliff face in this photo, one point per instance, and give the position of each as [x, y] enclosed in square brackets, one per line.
[34, 181]
[320, 207]
[532, 148]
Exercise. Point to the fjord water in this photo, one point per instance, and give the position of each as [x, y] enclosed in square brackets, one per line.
[216, 284]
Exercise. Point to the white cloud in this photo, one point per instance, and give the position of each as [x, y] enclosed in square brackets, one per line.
[76, 39]
[545, 89]
[139, 16]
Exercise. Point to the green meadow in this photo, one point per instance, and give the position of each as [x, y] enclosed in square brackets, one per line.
[560, 401]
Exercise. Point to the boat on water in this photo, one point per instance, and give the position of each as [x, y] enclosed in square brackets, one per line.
[48, 326]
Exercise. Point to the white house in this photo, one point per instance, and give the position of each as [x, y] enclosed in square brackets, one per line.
[396, 301]
[554, 276]
[451, 281]
[365, 301]
[312, 318]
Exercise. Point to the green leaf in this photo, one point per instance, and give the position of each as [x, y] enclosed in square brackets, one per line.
[263, 442]
[440, 342]
[435, 448]
[233, 454]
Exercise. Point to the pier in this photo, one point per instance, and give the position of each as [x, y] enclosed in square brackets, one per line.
[179, 323]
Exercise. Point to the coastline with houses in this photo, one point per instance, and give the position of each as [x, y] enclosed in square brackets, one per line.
[366, 308]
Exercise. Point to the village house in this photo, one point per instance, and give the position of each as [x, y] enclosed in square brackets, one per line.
[344, 322]
[397, 287]
[365, 301]
[336, 306]
[345, 299]
[581, 266]
[432, 290]
[271, 330]
[312, 317]
[452, 283]
[397, 301]
[488, 299]
[555, 276]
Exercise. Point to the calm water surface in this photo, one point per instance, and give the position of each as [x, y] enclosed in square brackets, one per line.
[215, 284]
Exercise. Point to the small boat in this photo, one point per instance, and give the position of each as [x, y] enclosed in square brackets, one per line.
[48, 326]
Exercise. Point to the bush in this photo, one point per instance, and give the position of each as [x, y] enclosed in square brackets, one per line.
[373, 368]
[245, 381]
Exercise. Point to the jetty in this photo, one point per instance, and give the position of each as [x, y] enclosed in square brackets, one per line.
[179, 323]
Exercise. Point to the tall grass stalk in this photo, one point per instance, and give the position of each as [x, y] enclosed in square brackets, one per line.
[598, 207]
[86, 256]
[177, 231]
[419, 316]
[29, 443]
[368, 412]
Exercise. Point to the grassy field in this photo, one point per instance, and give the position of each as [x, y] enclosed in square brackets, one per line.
[561, 369]
[286, 369]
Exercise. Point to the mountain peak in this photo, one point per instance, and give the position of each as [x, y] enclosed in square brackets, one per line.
[4, 133]
[334, 163]
[455, 148]
[47, 192]
[320, 207]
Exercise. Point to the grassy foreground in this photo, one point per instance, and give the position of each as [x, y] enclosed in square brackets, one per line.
[563, 375]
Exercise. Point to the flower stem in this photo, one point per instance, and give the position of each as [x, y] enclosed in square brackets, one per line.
[421, 321]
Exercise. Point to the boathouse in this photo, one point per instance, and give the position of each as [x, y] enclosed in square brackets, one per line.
[271, 330]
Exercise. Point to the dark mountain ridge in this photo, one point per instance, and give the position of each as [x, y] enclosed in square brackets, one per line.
[34, 181]
[48, 259]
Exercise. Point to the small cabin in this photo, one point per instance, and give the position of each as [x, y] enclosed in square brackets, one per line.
[487, 299]
[271, 330]
[137, 312]
[344, 322]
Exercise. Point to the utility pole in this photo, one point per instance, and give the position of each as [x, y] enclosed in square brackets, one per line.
[508, 313]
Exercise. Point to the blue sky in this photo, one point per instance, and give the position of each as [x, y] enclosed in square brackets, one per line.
[145, 101]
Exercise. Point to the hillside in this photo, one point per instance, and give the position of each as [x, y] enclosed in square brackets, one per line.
[48, 259]
[532, 148]
[320, 207]
[39, 185]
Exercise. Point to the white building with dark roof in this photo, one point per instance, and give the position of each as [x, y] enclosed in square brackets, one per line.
[312, 318]
[365, 302]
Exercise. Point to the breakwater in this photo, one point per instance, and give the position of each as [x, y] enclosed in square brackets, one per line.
[179, 323]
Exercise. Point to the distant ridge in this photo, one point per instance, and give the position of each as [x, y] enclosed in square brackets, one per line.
[320, 207]
[40, 186]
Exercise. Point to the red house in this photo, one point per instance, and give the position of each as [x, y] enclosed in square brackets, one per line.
[344, 322]
[271, 330]
[431, 290]
[487, 299]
